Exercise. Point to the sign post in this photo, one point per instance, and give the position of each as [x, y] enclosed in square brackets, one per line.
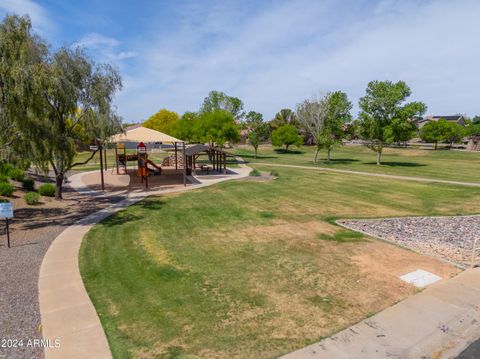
[6, 211]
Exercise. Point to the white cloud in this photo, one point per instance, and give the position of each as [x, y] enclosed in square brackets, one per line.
[106, 49]
[277, 57]
[38, 15]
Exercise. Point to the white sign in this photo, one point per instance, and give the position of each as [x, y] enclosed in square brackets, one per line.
[93, 148]
[6, 210]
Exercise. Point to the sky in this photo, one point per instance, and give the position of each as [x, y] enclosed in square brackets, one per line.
[271, 54]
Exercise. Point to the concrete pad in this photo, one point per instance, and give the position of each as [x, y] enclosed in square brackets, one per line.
[420, 278]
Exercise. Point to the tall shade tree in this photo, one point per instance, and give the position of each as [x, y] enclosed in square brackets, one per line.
[184, 128]
[324, 120]
[217, 128]
[163, 121]
[22, 57]
[382, 107]
[77, 97]
[217, 100]
[286, 135]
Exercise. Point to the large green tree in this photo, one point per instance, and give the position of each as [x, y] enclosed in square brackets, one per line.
[78, 108]
[22, 58]
[216, 128]
[217, 100]
[383, 109]
[163, 121]
[442, 130]
[286, 135]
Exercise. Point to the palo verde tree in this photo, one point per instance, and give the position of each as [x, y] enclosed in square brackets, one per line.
[217, 100]
[77, 96]
[163, 121]
[382, 107]
[286, 135]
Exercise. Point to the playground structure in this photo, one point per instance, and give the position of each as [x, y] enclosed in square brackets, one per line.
[138, 145]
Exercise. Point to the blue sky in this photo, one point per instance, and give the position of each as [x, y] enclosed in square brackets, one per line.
[271, 54]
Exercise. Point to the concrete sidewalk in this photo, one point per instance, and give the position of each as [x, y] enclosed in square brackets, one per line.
[439, 322]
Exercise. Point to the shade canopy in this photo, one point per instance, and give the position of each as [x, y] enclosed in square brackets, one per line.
[142, 134]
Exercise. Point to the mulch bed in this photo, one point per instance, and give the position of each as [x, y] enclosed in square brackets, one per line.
[32, 231]
[449, 238]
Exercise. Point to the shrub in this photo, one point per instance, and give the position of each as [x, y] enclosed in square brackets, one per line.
[6, 189]
[28, 184]
[255, 173]
[274, 173]
[47, 189]
[4, 200]
[5, 168]
[4, 178]
[16, 174]
[32, 198]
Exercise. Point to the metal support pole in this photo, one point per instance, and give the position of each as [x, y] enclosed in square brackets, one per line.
[176, 155]
[8, 233]
[101, 169]
[184, 165]
[116, 158]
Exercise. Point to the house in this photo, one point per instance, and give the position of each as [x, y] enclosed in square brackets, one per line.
[459, 119]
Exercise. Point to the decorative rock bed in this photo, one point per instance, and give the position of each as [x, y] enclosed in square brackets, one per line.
[450, 238]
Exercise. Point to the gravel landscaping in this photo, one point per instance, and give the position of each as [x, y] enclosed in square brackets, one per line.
[32, 231]
[450, 238]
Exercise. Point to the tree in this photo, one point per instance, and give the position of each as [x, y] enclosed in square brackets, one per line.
[257, 135]
[454, 133]
[163, 121]
[382, 110]
[434, 131]
[476, 120]
[216, 127]
[284, 117]
[184, 128]
[22, 56]
[338, 114]
[217, 100]
[77, 97]
[253, 119]
[286, 135]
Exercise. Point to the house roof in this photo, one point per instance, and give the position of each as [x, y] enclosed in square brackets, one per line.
[447, 118]
[142, 134]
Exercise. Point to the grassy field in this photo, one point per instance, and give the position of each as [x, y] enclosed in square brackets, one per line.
[440, 164]
[250, 269]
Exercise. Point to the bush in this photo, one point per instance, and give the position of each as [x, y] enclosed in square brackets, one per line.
[4, 178]
[28, 184]
[274, 173]
[47, 189]
[6, 189]
[255, 173]
[16, 174]
[4, 200]
[32, 198]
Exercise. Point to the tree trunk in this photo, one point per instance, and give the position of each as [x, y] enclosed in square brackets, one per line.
[329, 152]
[59, 186]
[315, 156]
[379, 157]
[286, 148]
[435, 145]
[255, 152]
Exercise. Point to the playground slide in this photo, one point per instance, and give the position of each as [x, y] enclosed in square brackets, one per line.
[154, 166]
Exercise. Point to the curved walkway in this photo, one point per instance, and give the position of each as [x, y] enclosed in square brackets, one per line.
[404, 178]
[69, 320]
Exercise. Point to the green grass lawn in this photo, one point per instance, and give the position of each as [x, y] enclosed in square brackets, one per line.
[249, 269]
[440, 164]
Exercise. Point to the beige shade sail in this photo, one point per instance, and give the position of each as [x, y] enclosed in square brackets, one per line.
[142, 134]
